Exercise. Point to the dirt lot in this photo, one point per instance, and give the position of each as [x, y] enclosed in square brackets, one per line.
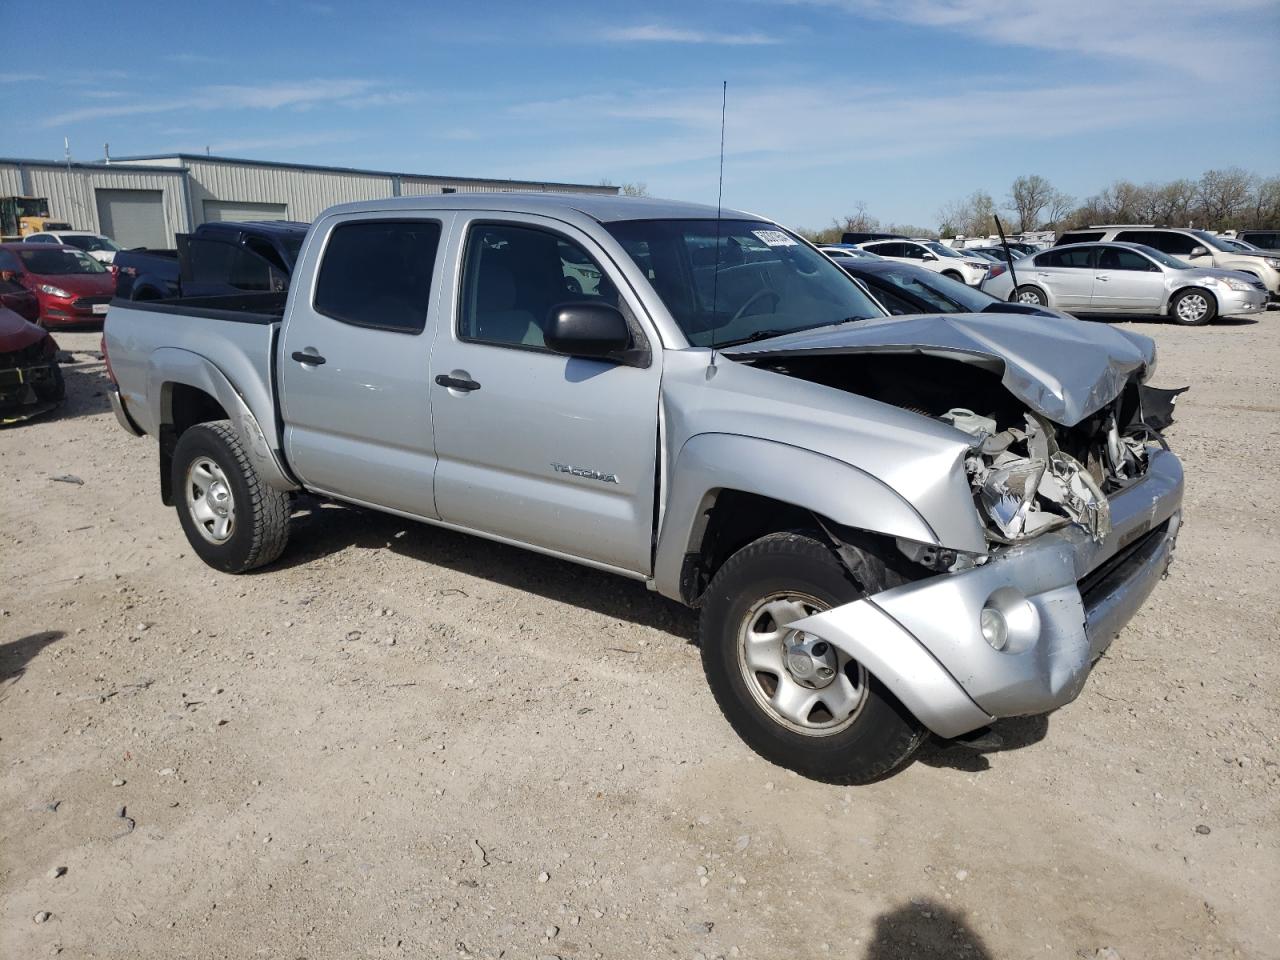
[402, 742]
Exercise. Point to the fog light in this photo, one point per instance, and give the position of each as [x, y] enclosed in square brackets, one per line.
[995, 628]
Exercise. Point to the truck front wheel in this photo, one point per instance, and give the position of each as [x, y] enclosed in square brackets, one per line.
[232, 519]
[795, 699]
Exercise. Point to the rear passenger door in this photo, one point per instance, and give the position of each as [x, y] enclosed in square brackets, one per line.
[535, 447]
[1067, 274]
[354, 359]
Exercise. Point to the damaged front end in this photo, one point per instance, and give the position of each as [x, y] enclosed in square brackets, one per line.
[1034, 477]
[30, 381]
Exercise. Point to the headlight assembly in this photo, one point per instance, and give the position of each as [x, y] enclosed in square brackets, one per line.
[53, 291]
[1007, 494]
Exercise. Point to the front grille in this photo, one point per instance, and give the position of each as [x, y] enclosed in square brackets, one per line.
[1139, 550]
[85, 303]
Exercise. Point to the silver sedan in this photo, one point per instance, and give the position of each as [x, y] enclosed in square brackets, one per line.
[1129, 278]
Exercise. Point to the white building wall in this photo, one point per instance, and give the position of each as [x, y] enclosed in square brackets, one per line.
[305, 193]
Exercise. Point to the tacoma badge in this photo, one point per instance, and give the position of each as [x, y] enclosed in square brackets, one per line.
[584, 472]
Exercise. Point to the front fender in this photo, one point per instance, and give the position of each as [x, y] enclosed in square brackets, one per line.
[169, 366]
[711, 462]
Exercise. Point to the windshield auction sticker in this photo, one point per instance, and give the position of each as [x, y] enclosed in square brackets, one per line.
[774, 238]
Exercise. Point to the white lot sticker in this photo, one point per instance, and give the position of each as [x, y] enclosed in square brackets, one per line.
[774, 238]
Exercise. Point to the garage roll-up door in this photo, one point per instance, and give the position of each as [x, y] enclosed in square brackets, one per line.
[240, 210]
[133, 218]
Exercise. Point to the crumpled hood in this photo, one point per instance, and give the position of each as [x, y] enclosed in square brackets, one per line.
[1062, 368]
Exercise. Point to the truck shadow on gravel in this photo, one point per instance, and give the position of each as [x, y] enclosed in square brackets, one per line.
[16, 654]
[320, 529]
[925, 930]
[1013, 733]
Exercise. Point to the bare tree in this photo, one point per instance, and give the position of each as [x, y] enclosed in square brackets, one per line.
[1265, 204]
[1223, 195]
[1028, 197]
[638, 189]
[1060, 206]
[1175, 202]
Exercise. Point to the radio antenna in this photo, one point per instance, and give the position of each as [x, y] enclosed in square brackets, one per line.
[715, 277]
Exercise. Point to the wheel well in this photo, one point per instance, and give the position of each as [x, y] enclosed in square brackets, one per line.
[737, 518]
[1190, 287]
[182, 408]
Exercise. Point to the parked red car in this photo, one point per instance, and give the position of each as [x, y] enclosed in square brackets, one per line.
[70, 286]
[30, 378]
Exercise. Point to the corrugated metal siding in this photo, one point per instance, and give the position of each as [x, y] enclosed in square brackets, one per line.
[305, 193]
[71, 191]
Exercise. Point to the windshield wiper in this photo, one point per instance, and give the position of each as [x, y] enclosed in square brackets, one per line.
[760, 335]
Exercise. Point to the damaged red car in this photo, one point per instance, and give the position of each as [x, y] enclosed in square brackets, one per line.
[71, 287]
[30, 379]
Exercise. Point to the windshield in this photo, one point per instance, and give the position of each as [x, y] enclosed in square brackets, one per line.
[947, 295]
[941, 249]
[1209, 240]
[1228, 243]
[51, 263]
[89, 243]
[1159, 256]
[766, 282]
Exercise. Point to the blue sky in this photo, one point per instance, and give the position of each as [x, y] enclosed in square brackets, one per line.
[903, 105]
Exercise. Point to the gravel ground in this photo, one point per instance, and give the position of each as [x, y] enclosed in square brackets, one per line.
[403, 742]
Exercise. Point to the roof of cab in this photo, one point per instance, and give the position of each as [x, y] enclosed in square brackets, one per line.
[601, 208]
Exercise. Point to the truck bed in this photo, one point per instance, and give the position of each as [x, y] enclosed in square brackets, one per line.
[236, 334]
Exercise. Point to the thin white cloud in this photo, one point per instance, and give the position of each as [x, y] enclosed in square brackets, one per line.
[1199, 39]
[785, 128]
[285, 142]
[655, 33]
[271, 96]
[19, 77]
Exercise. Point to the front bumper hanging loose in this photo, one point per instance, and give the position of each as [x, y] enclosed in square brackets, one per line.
[1062, 596]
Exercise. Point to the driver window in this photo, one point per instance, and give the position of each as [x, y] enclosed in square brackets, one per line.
[513, 276]
[914, 251]
[1117, 258]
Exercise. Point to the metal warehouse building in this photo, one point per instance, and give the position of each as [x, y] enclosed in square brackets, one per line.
[144, 201]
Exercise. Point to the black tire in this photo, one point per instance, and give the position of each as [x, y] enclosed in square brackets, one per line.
[954, 275]
[1027, 290]
[1184, 299]
[883, 734]
[572, 285]
[55, 390]
[260, 525]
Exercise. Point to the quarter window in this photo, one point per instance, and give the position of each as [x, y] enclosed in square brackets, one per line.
[513, 276]
[377, 273]
[1177, 244]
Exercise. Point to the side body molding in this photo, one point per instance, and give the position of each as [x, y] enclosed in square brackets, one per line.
[170, 365]
[711, 462]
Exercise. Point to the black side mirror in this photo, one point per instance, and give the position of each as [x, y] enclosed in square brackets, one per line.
[593, 330]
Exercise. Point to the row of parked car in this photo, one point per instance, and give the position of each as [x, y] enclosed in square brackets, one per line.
[1190, 276]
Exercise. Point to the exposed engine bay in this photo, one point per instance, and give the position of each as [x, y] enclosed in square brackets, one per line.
[1028, 474]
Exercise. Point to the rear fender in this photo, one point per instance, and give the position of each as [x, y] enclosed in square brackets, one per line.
[169, 366]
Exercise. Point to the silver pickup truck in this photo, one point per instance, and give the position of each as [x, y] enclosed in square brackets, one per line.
[890, 525]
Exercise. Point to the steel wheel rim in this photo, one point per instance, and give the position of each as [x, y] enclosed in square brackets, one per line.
[762, 643]
[210, 501]
[1192, 307]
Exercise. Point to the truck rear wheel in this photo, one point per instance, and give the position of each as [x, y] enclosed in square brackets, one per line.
[795, 699]
[232, 519]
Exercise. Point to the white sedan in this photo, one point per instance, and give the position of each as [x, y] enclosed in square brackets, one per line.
[94, 244]
[932, 255]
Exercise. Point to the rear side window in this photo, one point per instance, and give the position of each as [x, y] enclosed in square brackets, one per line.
[1178, 244]
[377, 273]
[1075, 258]
[1081, 236]
[1265, 240]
